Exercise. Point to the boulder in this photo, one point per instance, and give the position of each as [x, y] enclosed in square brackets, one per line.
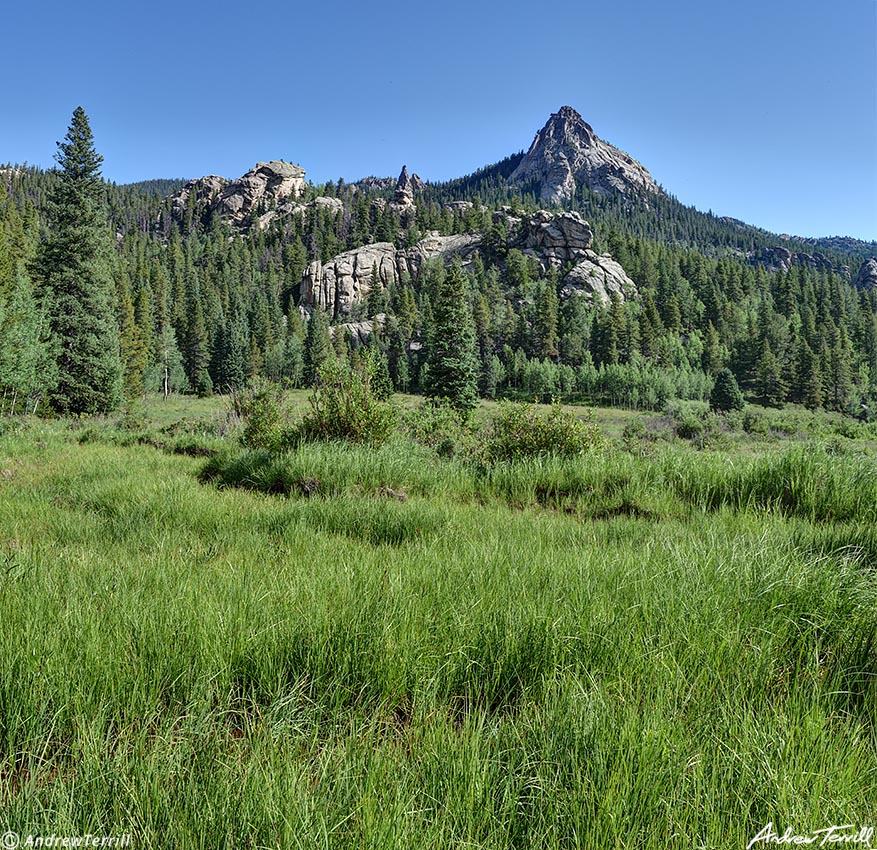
[597, 276]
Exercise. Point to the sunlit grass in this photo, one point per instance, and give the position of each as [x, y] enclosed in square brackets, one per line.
[391, 650]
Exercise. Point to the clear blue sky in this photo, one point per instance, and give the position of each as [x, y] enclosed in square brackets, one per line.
[765, 110]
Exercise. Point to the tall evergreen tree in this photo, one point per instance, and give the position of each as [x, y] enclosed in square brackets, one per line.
[318, 346]
[452, 360]
[726, 393]
[74, 268]
[26, 366]
[133, 346]
[546, 320]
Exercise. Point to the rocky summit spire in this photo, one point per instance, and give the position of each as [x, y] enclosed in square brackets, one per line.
[404, 194]
[567, 153]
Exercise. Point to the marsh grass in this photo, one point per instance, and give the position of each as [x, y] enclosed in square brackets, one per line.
[417, 653]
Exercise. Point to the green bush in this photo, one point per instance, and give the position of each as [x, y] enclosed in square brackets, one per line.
[521, 430]
[345, 406]
[693, 421]
[439, 427]
[260, 408]
[636, 439]
[755, 423]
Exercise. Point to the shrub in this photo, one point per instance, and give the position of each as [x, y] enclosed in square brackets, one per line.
[636, 439]
[520, 430]
[755, 423]
[693, 421]
[439, 427]
[344, 406]
[259, 407]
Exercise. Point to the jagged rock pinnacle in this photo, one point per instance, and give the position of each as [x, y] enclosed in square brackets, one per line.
[567, 153]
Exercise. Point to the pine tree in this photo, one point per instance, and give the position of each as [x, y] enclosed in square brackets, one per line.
[318, 346]
[133, 346]
[546, 321]
[74, 267]
[813, 397]
[232, 351]
[726, 393]
[197, 347]
[452, 360]
[26, 364]
[712, 359]
[375, 300]
[769, 377]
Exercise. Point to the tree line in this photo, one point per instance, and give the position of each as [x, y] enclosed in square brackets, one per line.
[105, 295]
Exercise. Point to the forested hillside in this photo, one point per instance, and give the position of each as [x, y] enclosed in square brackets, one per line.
[202, 303]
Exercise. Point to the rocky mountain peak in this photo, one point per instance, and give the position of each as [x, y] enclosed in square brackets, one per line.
[566, 126]
[404, 193]
[268, 183]
[567, 153]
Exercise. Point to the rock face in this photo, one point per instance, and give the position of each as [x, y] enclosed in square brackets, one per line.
[555, 240]
[333, 205]
[380, 184]
[403, 196]
[269, 182]
[461, 207]
[346, 279]
[781, 259]
[360, 331]
[272, 183]
[202, 193]
[597, 276]
[337, 285]
[566, 154]
[867, 277]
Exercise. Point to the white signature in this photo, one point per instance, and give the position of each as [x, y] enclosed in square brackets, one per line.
[836, 834]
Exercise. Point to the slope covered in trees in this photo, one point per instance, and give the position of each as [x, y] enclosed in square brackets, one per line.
[202, 307]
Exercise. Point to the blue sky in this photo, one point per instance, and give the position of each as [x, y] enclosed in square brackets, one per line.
[765, 110]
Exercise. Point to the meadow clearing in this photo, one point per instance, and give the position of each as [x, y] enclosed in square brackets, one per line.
[664, 642]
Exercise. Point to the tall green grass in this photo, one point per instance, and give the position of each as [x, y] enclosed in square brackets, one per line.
[437, 666]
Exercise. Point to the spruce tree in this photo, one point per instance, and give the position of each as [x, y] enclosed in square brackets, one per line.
[318, 346]
[726, 393]
[133, 346]
[769, 378]
[74, 267]
[546, 320]
[452, 362]
[26, 365]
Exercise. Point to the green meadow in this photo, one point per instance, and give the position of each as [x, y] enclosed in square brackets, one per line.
[667, 641]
